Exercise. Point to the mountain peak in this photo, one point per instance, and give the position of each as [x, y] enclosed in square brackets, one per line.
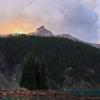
[41, 28]
[42, 31]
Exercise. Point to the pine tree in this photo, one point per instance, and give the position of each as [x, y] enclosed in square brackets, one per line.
[44, 78]
[40, 74]
[28, 76]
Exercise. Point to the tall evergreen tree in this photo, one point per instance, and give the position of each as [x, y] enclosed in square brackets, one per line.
[40, 74]
[28, 77]
[44, 76]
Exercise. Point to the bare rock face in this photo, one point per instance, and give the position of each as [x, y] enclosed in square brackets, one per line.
[42, 31]
[4, 83]
[16, 76]
[9, 79]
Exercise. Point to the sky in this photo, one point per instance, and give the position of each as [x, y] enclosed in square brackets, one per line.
[79, 18]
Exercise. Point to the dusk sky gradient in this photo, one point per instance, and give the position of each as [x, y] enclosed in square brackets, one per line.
[80, 18]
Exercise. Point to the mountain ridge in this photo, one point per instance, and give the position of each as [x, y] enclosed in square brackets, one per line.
[41, 30]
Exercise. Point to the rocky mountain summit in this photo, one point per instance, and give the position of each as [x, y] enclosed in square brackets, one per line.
[42, 31]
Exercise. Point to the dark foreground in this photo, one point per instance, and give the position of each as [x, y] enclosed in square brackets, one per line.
[42, 95]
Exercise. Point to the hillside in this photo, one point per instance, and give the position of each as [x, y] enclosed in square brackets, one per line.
[66, 63]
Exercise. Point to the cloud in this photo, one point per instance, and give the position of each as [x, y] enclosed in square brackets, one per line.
[83, 23]
[76, 17]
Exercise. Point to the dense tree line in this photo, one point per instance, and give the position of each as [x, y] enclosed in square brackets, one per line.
[54, 56]
[34, 74]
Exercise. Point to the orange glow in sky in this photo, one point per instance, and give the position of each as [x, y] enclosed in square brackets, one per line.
[16, 27]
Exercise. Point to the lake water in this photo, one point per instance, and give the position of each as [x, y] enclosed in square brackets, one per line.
[85, 92]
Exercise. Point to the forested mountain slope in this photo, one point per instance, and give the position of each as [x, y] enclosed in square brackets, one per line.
[60, 62]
